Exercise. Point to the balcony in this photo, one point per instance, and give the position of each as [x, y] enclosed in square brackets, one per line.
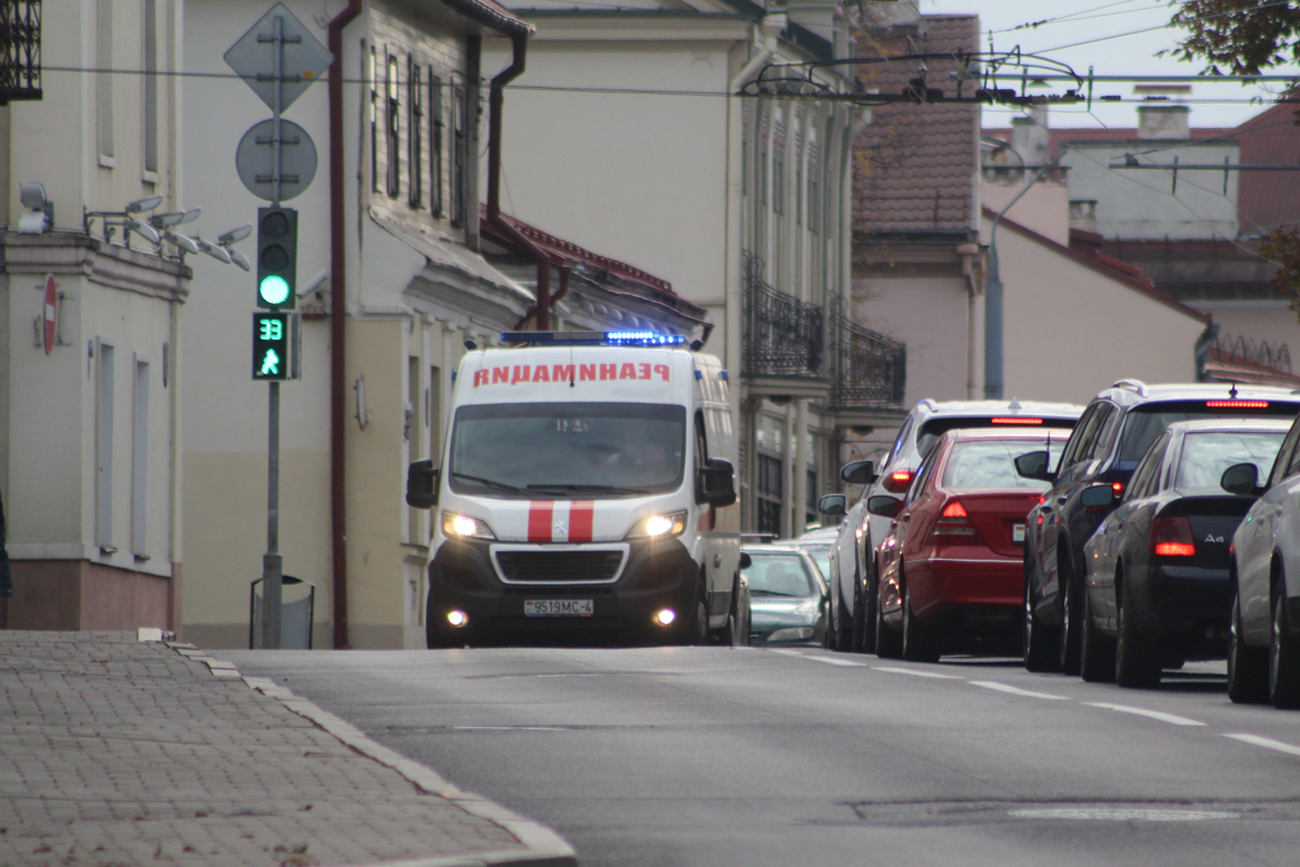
[783, 338]
[870, 369]
[20, 50]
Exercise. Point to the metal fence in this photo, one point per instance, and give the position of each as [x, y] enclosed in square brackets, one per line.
[20, 50]
[1274, 355]
[870, 368]
[783, 335]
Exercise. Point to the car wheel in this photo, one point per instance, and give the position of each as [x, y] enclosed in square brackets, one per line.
[1137, 661]
[1071, 620]
[843, 626]
[870, 605]
[920, 642]
[1247, 666]
[1283, 656]
[1039, 641]
[889, 644]
[1097, 652]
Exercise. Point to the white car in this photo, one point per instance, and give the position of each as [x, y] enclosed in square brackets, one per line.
[853, 582]
[1264, 632]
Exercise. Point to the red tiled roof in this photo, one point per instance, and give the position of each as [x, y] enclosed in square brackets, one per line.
[1056, 137]
[1226, 366]
[644, 284]
[1103, 264]
[915, 166]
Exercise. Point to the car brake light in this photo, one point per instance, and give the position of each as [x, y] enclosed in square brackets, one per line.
[1236, 404]
[1118, 488]
[1172, 537]
[898, 481]
[1016, 421]
[953, 521]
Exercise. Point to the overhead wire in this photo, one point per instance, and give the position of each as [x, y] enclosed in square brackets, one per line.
[1081, 15]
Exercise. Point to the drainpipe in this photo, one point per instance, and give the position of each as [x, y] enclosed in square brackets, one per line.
[496, 101]
[968, 252]
[338, 315]
[993, 297]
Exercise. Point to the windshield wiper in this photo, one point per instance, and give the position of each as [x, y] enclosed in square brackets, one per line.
[500, 486]
[760, 592]
[604, 489]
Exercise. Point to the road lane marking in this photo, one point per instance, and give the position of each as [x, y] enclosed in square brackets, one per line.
[1015, 690]
[1149, 714]
[914, 673]
[830, 660]
[1120, 814]
[1266, 743]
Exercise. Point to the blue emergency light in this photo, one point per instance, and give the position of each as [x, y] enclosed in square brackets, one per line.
[594, 338]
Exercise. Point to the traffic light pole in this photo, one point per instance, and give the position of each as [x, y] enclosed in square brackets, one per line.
[272, 562]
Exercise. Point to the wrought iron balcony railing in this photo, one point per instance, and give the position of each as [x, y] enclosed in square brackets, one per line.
[783, 335]
[20, 50]
[870, 368]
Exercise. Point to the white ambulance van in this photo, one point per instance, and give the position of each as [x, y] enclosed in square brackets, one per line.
[586, 484]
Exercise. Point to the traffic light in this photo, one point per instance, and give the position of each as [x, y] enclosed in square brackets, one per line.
[277, 258]
[271, 346]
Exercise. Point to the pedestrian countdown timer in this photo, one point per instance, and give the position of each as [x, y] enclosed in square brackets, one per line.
[271, 346]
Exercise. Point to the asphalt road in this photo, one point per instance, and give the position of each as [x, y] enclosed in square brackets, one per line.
[710, 756]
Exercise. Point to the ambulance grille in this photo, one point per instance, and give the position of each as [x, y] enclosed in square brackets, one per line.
[559, 566]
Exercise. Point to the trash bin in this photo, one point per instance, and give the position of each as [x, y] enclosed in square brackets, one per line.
[297, 610]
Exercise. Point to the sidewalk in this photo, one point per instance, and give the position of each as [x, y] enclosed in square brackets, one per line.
[116, 753]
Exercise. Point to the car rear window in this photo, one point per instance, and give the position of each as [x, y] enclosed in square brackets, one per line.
[991, 464]
[778, 575]
[937, 427]
[1207, 454]
[1144, 423]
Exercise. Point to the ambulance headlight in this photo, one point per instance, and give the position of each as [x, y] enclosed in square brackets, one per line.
[659, 526]
[457, 526]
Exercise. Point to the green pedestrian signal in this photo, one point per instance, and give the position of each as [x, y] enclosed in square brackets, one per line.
[271, 346]
[277, 258]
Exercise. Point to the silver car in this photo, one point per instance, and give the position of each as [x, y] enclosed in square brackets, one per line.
[787, 595]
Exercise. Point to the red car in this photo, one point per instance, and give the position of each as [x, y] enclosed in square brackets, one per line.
[952, 571]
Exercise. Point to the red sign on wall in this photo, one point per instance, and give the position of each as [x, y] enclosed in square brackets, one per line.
[50, 313]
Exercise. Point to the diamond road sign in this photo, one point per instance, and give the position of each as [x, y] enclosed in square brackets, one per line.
[253, 57]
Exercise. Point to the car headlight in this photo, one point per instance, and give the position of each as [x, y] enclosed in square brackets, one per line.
[458, 526]
[659, 526]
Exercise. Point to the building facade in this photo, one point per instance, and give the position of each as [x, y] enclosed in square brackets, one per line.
[92, 294]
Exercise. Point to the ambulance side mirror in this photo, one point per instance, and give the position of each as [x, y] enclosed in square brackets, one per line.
[422, 485]
[716, 483]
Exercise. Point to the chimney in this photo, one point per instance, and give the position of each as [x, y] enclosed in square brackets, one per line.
[1083, 215]
[1029, 136]
[1163, 115]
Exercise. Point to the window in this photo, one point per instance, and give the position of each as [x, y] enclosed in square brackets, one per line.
[814, 201]
[393, 146]
[435, 144]
[1284, 455]
[778, 171]
[415, 130]
[140, 460]
[768, 491]
[1145, 477]
[151, 89]
[459, 132]
[811, 515]
[104, 452]
[374, 119]
[104, 81]
[414, 431]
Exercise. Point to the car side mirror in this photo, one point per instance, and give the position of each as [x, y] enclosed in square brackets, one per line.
[745, 560]
[884, 505]
[716, 483]
[833, 504]
[1034, 466]
[1097, 497]
[422, 485]
[859, 472]
[1241, 479]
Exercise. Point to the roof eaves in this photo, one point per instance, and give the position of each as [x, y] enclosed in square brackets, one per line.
[491, 14]
[1096, 263]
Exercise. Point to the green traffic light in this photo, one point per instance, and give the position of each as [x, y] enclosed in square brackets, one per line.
[274, 290]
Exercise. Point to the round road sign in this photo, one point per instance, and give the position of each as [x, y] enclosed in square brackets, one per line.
[255, 160]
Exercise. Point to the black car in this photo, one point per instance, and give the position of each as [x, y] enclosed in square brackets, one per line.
[1112, 436]
[1158, 589]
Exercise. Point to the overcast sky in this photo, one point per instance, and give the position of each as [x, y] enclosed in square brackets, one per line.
[1074, 21]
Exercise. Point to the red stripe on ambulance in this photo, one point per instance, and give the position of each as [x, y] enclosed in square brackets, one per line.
[539, 520]
[580, 515]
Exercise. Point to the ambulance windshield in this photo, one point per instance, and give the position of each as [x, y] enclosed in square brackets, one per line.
[575, 451]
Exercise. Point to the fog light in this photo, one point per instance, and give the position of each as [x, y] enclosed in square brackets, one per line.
[457, 618]
[666, 617]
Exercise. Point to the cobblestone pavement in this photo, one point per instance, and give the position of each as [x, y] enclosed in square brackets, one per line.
[116, 752]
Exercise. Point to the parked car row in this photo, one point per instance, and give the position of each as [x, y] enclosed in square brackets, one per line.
[1164, 526]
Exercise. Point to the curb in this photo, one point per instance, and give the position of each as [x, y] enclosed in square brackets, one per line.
[543, 846]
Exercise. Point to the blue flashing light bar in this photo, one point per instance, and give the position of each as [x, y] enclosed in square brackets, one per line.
[594, 338]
